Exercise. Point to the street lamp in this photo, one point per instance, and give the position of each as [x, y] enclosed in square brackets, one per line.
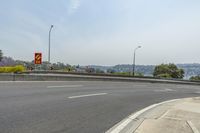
[134, 59]
[49, 55]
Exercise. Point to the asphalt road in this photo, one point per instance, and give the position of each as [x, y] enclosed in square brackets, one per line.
[78, 106]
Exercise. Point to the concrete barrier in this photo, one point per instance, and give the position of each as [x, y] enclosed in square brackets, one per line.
[70, 77]
[100, 74]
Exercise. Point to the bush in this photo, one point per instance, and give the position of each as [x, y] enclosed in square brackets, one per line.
[129, 74]
[165, 75]
[195, 77]
[122, 73]
[139, 74]
[168, 71]
[13, 69]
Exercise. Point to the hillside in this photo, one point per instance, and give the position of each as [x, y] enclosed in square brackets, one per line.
[147, 70]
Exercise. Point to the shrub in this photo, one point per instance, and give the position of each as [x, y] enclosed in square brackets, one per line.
[139, 74]
[15, 69]
[195, 77]
[129, 74]
[168, 71]
[122, 73]
[165, 75]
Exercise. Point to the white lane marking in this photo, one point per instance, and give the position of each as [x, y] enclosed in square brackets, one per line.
[125, 122]
[194, 129]
[88, 95]
[198, 92]
[165, 90]
[65, 86]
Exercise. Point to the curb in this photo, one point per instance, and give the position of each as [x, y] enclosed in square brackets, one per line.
[126, 123]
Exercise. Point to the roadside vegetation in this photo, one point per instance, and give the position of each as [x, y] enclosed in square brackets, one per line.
[12, 69]
[168, 71]
[137, 74]
[195, 78]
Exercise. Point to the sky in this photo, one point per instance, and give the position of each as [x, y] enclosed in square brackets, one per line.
[102, 32]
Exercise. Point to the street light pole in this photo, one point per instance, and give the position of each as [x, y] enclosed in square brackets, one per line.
[49, 52]
[134, 59]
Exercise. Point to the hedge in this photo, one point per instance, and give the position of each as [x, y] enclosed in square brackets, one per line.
[12, 69]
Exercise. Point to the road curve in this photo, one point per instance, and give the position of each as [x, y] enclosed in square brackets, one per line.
[78, 106]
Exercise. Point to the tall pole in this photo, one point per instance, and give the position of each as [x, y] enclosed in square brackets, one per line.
[49, 52]
[134, 59]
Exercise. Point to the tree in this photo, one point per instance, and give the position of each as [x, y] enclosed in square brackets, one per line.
[1, 55]
[111, 70]
[90, 70]
[195, 77]
[99, 71]
[168, 71]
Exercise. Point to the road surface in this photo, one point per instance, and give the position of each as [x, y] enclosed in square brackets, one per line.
[78, 106]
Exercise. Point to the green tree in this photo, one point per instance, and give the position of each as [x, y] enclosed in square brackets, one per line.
[1, 55]
[111, 71]
[168, 71]
[195, 77]
[139, 74]
[99, 71]
[70, 68]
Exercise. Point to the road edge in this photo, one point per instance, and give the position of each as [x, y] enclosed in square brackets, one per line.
[132, 118]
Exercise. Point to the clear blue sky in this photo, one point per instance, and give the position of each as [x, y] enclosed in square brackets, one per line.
[102, 32]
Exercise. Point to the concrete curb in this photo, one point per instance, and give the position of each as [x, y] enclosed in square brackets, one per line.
[118, 128]
[132, 122]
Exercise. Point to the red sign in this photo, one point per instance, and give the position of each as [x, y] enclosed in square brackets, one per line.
[38, 58]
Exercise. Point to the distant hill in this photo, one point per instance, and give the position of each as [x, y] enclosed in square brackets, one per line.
[190, 69]
[147, 70]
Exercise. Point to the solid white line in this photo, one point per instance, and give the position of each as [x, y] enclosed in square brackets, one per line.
[65, 86]
[88, 95]
[194, 129]
[126, 121]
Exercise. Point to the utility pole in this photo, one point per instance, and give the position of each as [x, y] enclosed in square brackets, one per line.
[134, 59]
[49, 51]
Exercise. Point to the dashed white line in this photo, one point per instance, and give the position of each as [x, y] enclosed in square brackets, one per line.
[65, 86]
[88, 95]
[198, 92]
[165, 90]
